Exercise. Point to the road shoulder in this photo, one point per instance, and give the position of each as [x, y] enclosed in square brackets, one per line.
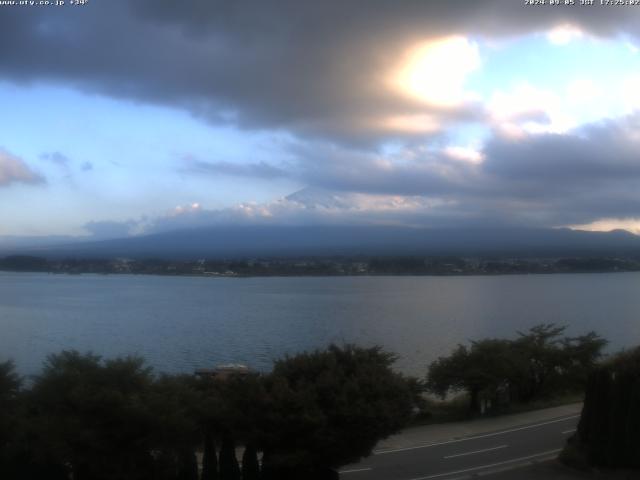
[428, 434]
[554, 470]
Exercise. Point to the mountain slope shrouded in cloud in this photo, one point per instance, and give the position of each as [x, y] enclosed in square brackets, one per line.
[326, 241]
[314, 222]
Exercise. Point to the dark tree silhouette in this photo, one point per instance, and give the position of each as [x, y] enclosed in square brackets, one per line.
[209, 459]
[536, 364]
[229, 468]
[329, 408]
[188, 467]
[89, 416]
[10, 420]
[607, 434]
[250, 464]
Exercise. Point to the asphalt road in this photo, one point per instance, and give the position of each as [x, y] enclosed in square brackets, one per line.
[467, 456]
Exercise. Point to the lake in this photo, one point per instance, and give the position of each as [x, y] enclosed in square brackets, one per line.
[182, 323]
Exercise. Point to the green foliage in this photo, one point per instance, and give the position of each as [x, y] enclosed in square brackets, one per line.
[173, 402]
[329, 408]
[229, 468]
[113, 419]
[241, 403]
[209, 458]
[538, 363]
[85, 417]
[250, 464]
[482, 368]
[610, 421]
[582, 354]
[188, 466]
[10, 384]
[91, 416]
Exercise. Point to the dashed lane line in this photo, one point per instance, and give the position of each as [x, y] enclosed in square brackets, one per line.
[476, 451]
[491, 465]
[355, 470]
[476, 437]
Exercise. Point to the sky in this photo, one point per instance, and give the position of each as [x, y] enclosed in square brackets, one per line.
[122, 118]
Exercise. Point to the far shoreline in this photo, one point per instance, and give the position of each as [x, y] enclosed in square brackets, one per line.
[366, 275]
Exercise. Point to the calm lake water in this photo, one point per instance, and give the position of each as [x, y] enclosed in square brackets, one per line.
[182, 323]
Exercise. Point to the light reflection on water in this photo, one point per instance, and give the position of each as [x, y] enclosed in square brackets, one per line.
[181, 323]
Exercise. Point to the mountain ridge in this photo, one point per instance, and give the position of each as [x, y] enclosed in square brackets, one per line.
[325, 241]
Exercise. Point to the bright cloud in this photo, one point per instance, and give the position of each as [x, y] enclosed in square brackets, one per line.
[185, 209]
[309, 205]
[14, 170]
[464, 154]
[582, 90]
[419, 123]
[608, 224]
[435, 72]
[564, 34]
[630, 91]
[526, 109]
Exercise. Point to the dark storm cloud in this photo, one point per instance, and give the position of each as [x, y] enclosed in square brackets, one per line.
[600, 152]
[409, 173]
[307, 66]
[546, 179]
[542, 180]
[311, 68]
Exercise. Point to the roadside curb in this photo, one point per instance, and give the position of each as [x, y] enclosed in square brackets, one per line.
[423, 436]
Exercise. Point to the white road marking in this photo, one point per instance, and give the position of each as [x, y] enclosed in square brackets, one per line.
[355, 470]
[521, 459]
[486, 435]
[568, 431]
[477, 451]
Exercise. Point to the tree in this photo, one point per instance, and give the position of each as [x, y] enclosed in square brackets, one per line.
[188, 464]
[539, 359]
[90, 416]
[230, 411]
[229, 468]
[329, 408]
[174, 403]
[482, 371]
[582, 355]
[10, 384]
[209, 458]
[548, 363]
[250, 465]
[538, 362]
[607, 433]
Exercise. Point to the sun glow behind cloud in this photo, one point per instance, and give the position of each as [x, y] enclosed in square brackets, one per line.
[608, 224]
[417, 123]
[564, 34]
[464, 154]
[435, 72]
